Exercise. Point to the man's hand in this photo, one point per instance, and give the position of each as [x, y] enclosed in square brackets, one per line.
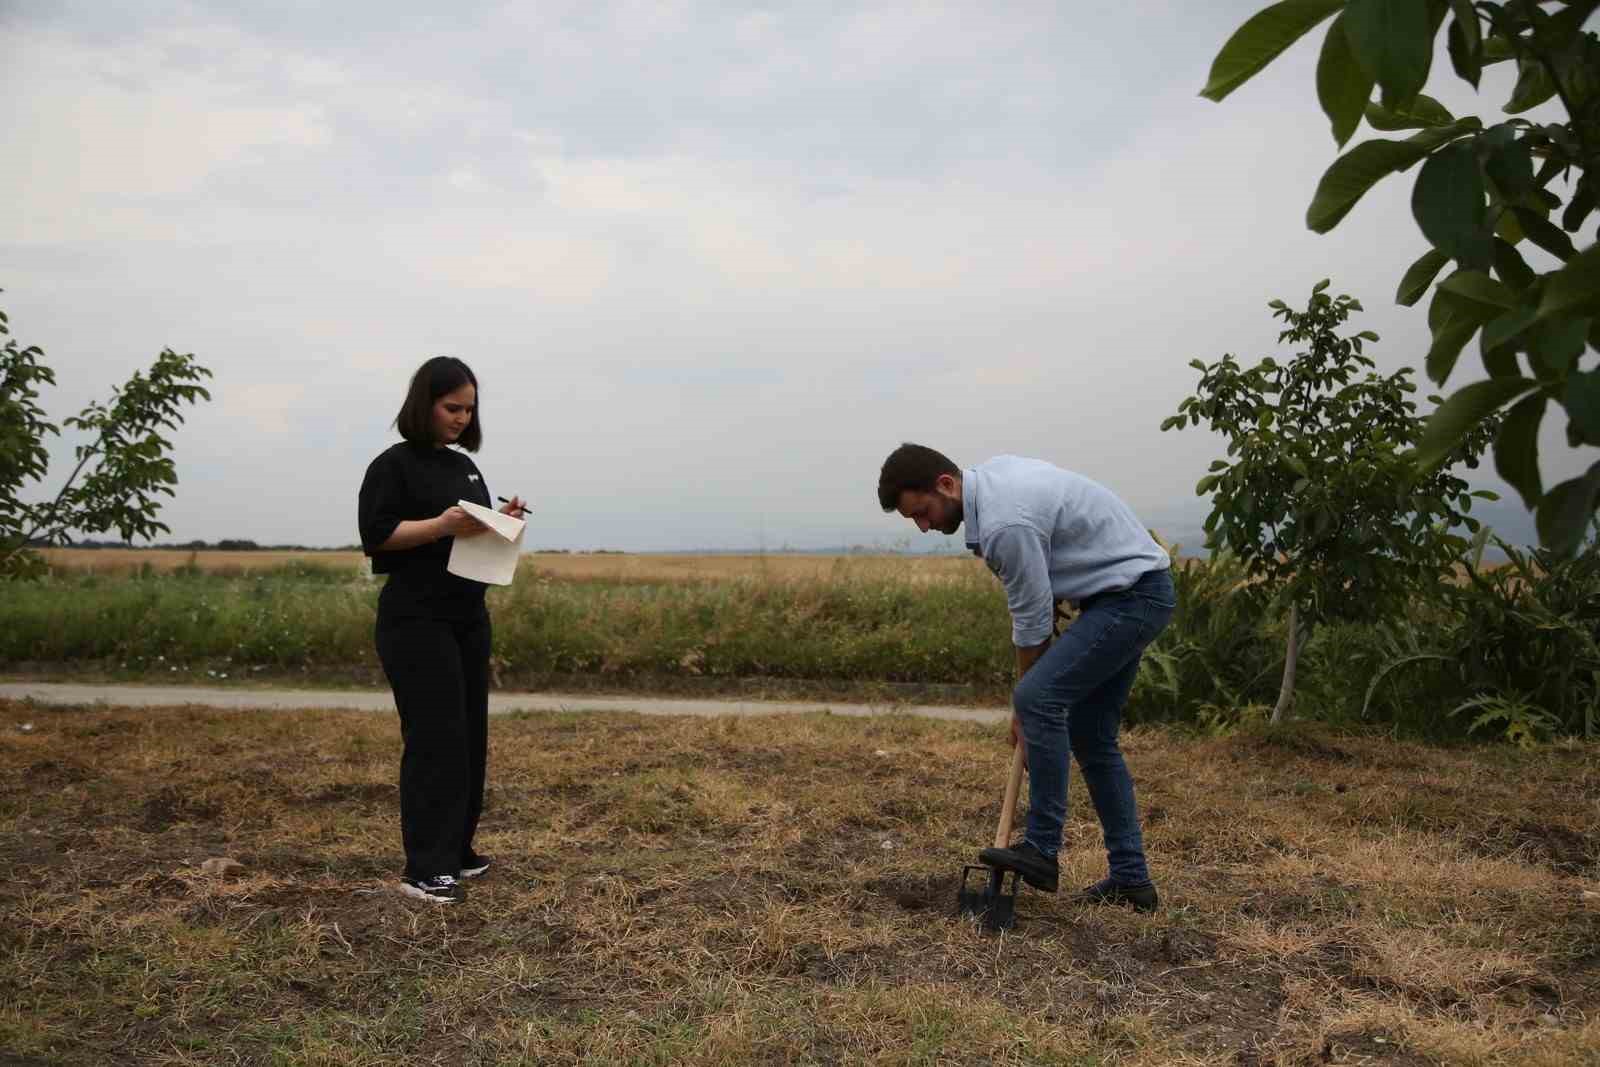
[1026, 658]
[1017, 738]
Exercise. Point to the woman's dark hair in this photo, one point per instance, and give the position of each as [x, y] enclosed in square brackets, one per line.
[435, 378]
[911, 467]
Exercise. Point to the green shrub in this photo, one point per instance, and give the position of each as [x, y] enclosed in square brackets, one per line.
[1519, 645]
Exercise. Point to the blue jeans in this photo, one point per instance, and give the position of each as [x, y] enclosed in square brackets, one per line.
[1071, 701]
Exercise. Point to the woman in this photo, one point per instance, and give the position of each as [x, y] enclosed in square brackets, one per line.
[433, 629]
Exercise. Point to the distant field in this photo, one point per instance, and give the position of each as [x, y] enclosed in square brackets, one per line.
[162, 560]
[555, 565]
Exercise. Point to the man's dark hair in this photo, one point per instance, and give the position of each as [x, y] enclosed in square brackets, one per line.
[911, 467]
[435, 378]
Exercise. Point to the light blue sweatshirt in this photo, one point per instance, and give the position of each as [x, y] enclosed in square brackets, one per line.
[1050, 535]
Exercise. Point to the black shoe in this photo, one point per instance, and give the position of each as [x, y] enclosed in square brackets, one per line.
[1138, 897]
[472, 865]
[440, 889]
[1037, 869]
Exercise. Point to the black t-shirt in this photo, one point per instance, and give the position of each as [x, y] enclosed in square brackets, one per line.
[410, 481]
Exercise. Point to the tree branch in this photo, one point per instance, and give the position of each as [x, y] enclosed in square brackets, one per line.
[55, 505]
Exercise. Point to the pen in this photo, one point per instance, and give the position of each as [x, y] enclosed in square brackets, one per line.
[525, 507]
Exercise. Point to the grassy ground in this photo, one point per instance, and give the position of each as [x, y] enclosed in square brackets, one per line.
[776, 891]
[839, 625]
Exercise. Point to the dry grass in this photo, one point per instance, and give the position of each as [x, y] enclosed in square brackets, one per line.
[558, 566]
[777, 891]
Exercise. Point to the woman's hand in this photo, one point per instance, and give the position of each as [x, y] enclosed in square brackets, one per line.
[516, 507]
[455, 522]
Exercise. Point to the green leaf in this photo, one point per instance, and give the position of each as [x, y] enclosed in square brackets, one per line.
[1570, 19]
[1533, 87]
[1453, 320]
[1465, 42]
[1505, 329]
[1497, 49]
[1448, 204]
[1393, 42]
[1501, 363]
[1565, 511]
[1512, 268]
[1582, 401]
[1421, 113]
[1206, 484]
[1555, 344]
[1510, 167]
[1352, 174]
[1574, 287]
[1475, 285]
[1261, 40]
[1460, 414]
[1419, 276]
[1343, 88]
[1516, 448]
[1580, 207]
[1544, 233]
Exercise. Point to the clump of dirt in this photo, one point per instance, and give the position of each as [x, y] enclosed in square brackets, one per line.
[1368, 1046]
[171, 806]
[1559, 848]
[1296, 743]
[46, 773]
[1176, 946]
[359, 792]
[931, 893]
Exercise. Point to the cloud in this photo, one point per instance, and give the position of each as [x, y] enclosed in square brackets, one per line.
[710, 261]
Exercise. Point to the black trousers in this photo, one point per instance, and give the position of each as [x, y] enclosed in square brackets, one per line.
[439, 671]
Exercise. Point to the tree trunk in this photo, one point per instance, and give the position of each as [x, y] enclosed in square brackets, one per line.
[1290, 659]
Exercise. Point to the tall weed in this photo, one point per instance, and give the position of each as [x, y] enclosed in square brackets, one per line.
[1214, 653]
[1517, 645]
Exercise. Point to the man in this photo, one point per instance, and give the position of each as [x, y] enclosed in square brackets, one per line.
[1051, 536]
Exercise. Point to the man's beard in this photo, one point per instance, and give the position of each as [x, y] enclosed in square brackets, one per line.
[953, 523]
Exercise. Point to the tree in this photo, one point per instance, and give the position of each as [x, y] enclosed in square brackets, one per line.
[124, 465]
[1317, 497]
[1483, 196]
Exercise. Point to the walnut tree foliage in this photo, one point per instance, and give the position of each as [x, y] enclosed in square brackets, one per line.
[1318, 497]
[1485, 196]
[120, 470]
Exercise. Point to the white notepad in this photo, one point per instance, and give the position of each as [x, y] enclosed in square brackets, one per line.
[490, 556]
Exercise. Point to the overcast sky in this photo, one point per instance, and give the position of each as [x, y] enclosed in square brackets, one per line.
[710, 261]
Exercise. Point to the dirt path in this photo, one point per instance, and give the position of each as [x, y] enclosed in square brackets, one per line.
[499, 703]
